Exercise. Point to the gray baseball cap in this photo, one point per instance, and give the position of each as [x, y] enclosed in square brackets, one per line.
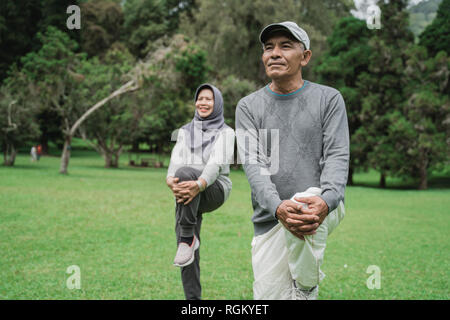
[290, 27]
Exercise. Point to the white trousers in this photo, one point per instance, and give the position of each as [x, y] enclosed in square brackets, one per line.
[278, 258]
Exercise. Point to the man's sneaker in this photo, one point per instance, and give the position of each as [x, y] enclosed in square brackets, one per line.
[300, 294]
[185, 253]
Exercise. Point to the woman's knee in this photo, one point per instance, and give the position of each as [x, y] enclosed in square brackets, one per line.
[186, 174]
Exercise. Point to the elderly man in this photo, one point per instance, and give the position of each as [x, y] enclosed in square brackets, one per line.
[292, 136]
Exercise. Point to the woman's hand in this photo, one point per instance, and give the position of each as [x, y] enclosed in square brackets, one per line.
[186, 191]
[172, 183]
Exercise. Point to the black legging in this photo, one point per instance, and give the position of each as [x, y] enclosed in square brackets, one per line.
[188, 221]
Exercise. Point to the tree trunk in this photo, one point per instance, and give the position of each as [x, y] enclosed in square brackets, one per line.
[107, 155]
[383, 180]
[9, 155]
[423, 183]
[10, 151]
[111, 157]
[111, 160]
[115, 160]
[65, 157]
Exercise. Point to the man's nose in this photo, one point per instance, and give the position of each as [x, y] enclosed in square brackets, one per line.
[276, 52]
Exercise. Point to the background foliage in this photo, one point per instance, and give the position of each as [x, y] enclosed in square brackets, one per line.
[397, 120]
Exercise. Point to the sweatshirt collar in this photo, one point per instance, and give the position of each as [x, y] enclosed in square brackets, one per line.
[287, 95]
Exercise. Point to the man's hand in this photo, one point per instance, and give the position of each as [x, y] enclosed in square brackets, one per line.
[316, 206]
[186, 191]
[298, 223]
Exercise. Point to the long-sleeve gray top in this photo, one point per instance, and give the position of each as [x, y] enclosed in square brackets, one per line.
[216, 166]
[304, 142]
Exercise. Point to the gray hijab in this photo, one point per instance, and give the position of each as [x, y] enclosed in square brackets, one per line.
[202, 132]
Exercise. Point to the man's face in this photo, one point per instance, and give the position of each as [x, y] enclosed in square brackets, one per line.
[284, 57]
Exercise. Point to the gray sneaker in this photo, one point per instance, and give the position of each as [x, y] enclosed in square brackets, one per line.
[185, 253]
[300, 294]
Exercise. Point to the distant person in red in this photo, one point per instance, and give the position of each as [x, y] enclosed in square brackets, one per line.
[39, 151]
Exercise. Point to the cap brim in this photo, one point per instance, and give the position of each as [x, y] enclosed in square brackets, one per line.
[271, 28]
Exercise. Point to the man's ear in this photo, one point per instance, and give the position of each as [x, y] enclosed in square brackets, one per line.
[306, 57]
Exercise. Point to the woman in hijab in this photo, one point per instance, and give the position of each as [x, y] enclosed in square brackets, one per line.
[198, 177]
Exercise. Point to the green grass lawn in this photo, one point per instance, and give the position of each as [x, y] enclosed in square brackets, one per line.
[117, 225]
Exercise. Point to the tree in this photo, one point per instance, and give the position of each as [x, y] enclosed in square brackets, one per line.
[51, 72]
[190, 62]
[17, 122]
[20, 21]
[382, 89]
[17, 19]
[347, 57]
[50, 123]
[129, 86]
[436, 36]
[421, 130]
[176, 8]
[145, 21]
[102, 26]
[115, 126]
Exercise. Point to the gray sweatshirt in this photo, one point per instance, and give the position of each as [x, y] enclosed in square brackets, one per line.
[305, 144]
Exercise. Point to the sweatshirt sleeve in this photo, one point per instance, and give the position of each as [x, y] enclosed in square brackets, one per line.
[255, 163]
[176, 157]
[222, 155]
[336, 152]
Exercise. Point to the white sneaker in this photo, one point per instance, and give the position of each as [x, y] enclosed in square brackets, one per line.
[300, 294]
[185, 253]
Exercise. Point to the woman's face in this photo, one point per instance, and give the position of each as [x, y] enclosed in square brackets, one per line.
[205, 103]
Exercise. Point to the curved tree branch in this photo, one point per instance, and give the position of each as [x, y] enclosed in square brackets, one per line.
[127, 87]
